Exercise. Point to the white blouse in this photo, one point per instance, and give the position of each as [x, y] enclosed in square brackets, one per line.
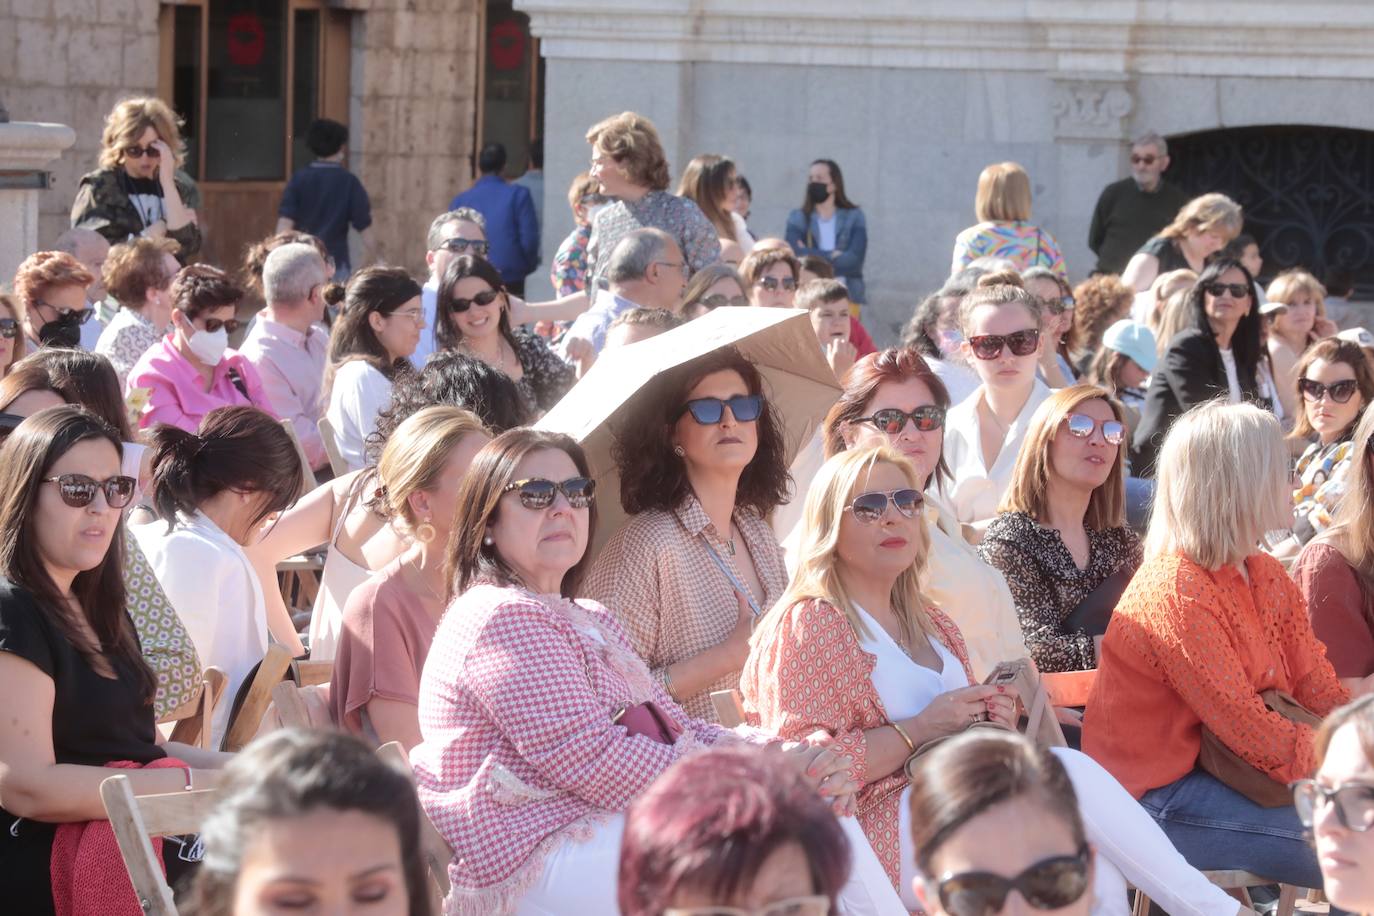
[360, 392]
[904, 686]
[214, 590]
[977, 488]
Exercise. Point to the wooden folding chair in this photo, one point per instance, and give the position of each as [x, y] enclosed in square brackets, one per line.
[248, 718]
[331, 448]
[135, 819]
[288, 697]
[435, 850]
[192, 719]
[308, 481]
[729, 707]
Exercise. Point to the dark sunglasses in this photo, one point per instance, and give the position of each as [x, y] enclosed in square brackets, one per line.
[1340, 392]
[719, 300]
[1354, 803]
[9, 328]
[460, 306]
[1047, 885]
[230, 325]
[463, 246]
[80, 316]
[1143, 160]
[1082, 426]
[892, 421]
[138, 152]
[1237, 290]
[1021, 343]
[745, 408]
[78, 490]
[870, 507]
[539, 493]
[772, 283]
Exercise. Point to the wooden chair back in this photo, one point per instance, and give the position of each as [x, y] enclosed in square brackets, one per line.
[337, 464]
[247, 719]
[729, 707]
[191, 720]
[308, 673]
[308, 481]
[136, 819]
[434, 848]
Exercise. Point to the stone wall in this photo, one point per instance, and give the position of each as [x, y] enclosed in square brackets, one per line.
[69, 61]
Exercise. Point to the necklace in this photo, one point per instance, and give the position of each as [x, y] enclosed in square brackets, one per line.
[418, 574]
[500, 354]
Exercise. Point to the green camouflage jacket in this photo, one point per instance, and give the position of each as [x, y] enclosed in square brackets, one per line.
[103, 204]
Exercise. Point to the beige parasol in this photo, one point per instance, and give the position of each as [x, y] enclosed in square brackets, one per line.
[798, 383]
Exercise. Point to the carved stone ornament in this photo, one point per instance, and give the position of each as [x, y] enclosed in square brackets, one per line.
[1091, 109]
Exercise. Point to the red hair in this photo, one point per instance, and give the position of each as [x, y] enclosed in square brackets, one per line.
[710, 822]
[43, 270]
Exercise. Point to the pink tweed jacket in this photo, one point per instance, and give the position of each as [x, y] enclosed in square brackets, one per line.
[519, 752]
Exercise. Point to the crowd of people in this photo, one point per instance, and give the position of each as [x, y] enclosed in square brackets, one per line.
[1160, 478]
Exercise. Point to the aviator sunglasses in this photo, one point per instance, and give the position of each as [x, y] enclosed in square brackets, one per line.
[486, 297]
[1340, 391]
[1049, 884]
[1081, 426]
[892, 421]
[745, 408]
[539, 492]
[78, 490]
[1021, 343]
[1354, 803]
[870, 507]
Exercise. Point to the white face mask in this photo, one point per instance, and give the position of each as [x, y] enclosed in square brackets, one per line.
[209, 346]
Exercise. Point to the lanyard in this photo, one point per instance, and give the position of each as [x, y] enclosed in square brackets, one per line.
[734, 581]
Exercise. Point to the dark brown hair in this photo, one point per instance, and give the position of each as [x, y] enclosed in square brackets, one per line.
[201, 288]
[27, 457]
[706, 180]
[815, 293]
[978, 770]
[757, 262]
[373, 289]
[653, 477]
[255, 258]
[710, 822]
[134, 267]
[897, 365]
[842, 201]
[446, 335]
[479, 499]
[78, 377]
[237, 448]
[1333, 350]
[823, 268]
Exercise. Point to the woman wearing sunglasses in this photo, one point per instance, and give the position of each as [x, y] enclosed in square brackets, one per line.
[540, 724]
[50, 289]
[212, 491]
[1337, 806]
[1060, 536]
[371, 344]
[854, 648]
[474, 318]
[192, 370]
[1001, 326]
[140, 189]
[701, 465]
[993, 815]
[1217, 356]
[714, 286]
[770, 277]
[11, 340]
[78, 692]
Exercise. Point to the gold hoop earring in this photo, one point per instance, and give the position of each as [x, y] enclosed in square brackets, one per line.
[424, 532]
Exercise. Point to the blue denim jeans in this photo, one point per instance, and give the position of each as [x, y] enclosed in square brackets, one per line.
[1215, 827]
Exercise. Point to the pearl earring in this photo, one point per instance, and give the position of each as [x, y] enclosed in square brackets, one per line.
[487, 541]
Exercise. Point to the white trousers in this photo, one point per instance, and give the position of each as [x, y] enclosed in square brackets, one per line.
[1130, 847]
[581, 878]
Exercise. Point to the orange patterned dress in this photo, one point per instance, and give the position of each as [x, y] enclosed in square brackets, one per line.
[807, 671]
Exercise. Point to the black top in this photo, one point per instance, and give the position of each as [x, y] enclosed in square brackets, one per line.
[95, 720]
[1190, 373]
[1167, 252]
[546, 377]
[1126, 218]
[324, 199]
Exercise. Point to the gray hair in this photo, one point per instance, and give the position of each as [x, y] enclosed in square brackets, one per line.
[75, 241]
[632, 255]
[291, 271]
[1151, 138]
[462, 214]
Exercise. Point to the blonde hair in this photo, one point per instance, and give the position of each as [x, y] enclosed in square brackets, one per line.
[1352, 530]
[1204, 214]
[1173, 316]
[1165, 285]
[416, 453]
[127, 122]
[1030, 478]
[1221, 483]
[1290, 283]
[632, 141]
[817, 578]
[1004, 194]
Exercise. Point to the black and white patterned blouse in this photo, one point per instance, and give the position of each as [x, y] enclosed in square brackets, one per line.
[1047, 585]
[547, 377]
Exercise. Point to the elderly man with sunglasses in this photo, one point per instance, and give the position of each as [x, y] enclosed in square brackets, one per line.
[454, 233]
[1132, 211]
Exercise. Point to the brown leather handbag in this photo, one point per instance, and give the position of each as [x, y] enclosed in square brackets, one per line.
[1229, 767]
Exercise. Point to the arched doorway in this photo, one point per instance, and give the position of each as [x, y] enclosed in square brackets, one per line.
[1308, 192]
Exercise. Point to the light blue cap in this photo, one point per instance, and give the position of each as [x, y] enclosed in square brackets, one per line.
[1133, 339]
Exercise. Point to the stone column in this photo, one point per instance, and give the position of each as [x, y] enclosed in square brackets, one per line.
[26, 149]
[1092, 123]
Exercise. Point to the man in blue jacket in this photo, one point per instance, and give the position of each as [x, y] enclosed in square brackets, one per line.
[512, 226]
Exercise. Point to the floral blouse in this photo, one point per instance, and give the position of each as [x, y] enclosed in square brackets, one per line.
[569, 271]
[680, 217]
[547, 378]
[124, 341]
[1321, 483]
[1047, 585]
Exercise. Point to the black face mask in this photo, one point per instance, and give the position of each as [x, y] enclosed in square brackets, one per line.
[817, 192]
[65, 332]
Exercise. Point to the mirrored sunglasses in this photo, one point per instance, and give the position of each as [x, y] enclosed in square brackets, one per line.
[1340, 392]
[9, 328]
[1082, 426]
[1354, 803]
[539, 492]
[892, 421]
[745, 408]
[486, 297]
[78, 490]
[870, 507]
[1047, 885]
[1021, 343]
